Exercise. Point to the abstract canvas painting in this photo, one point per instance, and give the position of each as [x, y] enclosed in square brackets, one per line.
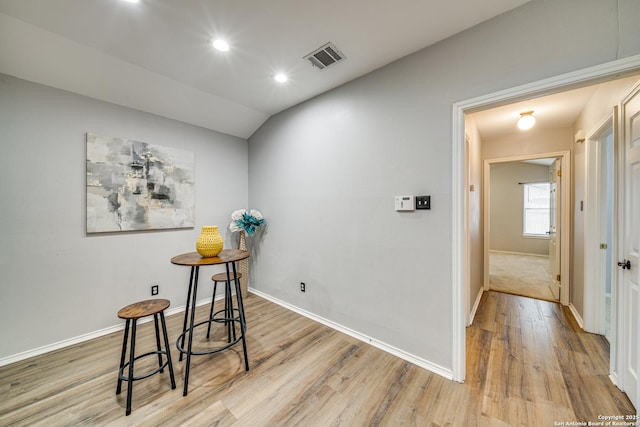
[138, 186]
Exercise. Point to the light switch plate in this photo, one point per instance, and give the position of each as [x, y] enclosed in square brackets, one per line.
[423, 202]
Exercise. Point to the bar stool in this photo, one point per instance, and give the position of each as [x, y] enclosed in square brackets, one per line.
[131, 313]
[228, 303]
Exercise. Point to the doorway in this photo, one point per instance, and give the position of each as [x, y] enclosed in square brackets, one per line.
[600, 73]
[599, 212]
[523, 208]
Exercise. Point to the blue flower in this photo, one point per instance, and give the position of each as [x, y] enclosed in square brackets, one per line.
[241, 220]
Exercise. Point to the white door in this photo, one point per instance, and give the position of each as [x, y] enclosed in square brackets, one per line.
[555, 174]
[629, 239]
[605, 228]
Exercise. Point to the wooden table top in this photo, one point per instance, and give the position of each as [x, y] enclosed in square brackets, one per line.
[195, 259]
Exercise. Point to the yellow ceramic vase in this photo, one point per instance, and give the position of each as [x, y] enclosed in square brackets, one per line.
[210, 242]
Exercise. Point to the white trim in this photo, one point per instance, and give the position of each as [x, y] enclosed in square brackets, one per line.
[467, 236]
[576, 315]
[614, 379]
[86, 337]
[425, 364]
[594, 287]
[566, 232]
[474, 309]
[486, 228]
[459, 243]
[547, 86]
[535, 236]
[617, 347]
[494, 251]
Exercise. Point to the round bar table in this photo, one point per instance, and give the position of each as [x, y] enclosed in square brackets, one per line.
[228, 257]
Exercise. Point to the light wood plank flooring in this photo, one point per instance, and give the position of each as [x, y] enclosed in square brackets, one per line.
[528, 364]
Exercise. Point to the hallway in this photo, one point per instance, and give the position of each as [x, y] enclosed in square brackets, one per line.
[533, 365]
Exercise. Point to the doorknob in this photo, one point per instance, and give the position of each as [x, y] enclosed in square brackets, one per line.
[625, 264]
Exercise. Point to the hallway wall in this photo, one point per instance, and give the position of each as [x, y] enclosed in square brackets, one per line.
[327, 170]
[59, 284]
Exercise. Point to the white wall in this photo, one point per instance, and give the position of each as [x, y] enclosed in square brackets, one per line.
[325, 172]
[530, 143]
[475, 215]
[506, 207]
[57, 283]
[594, 113]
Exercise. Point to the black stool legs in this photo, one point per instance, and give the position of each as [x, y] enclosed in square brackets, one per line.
[228, 311]
[131, 314]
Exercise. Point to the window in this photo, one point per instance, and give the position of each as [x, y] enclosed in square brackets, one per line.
[536, 209]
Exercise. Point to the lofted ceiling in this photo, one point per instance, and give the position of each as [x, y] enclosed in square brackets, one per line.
[155, 55]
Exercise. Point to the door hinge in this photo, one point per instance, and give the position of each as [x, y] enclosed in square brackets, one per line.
[557, 277]
[559, 172]
[603, 246]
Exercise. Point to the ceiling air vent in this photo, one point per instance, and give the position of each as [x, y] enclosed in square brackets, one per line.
[325, 56]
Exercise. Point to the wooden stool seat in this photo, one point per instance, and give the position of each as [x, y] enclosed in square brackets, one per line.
[131, 314]
[222, 277]
[145, 308]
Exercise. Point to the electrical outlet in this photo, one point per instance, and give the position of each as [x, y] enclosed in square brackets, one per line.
[154, 290]
[303, 287]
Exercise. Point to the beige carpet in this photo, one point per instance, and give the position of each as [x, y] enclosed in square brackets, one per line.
[524, 275]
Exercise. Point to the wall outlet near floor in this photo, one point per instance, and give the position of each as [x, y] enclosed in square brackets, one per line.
[154, 290]
[303, 287]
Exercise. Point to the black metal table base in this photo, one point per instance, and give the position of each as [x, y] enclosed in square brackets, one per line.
[229, 319]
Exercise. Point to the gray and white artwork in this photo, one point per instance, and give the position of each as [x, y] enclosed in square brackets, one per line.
[138, 186]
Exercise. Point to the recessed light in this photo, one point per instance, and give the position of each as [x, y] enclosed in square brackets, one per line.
[220, 45]
[132, 1]
[280, 77]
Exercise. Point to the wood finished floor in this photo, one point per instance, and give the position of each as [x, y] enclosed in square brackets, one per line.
[528, 364]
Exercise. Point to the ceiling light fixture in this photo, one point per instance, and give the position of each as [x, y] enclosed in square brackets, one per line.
[132, 1]
[220, 45]
[280, 77]
[526, 120]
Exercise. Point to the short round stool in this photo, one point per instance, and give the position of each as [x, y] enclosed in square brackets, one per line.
[228, 303]
[131, 313]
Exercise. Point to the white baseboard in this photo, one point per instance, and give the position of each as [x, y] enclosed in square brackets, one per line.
[517, 253]
[576, 315]
[472, 315]
[425, 364]
[614, 379]
[86, 337]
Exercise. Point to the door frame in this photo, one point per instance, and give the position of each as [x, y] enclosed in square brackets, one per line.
[565, 210]
[460, 236]
[593, 287]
